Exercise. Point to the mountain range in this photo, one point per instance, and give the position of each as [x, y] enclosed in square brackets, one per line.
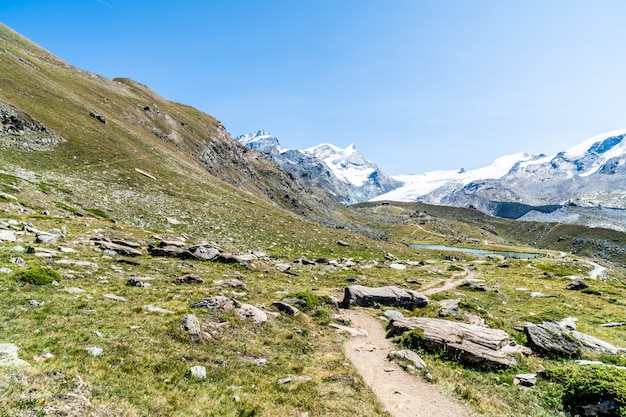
[585, 184]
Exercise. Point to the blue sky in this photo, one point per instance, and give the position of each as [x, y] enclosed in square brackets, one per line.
[418, 85]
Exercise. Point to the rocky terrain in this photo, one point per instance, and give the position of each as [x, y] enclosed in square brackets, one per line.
[152, 266]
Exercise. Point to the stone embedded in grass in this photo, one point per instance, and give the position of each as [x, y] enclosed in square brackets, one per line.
[198, 372]
[43, 357]
[7, 236]
[9, 357]
[219, 302]
[250, 312]
[154, 309]
[94, 350]
[189, 279]
[450, 307]
[408, 355]
[114, 297]
[397, 266]
[577, 285]
[191, 325]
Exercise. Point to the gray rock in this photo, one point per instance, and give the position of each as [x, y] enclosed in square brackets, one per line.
[189, 279]
[18, 261]
[250, 312]
[525, 380]
[5, 270]
[387, 296]
[133, 282]
[577, 285]
[94, 350]
[553, 339]
[198, 372]
[114, 297]
[191, 325]
[154, 309]
[450, 307]
[286, 308]
[9, 357]
[218, 302]
[408, 355]
[203, 252]
[46, 238]
[393, 314]
[7, 236]
[121, 249]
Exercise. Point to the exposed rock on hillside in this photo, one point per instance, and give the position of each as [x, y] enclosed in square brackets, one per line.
[387, 296]
[473, 345]
[18, 129]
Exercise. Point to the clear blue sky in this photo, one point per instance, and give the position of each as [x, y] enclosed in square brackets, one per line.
[418, 85]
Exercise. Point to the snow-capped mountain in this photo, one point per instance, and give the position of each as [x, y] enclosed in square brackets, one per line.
[344, 173]
[591, 174]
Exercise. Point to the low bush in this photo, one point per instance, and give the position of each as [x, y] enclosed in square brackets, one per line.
[37, 276]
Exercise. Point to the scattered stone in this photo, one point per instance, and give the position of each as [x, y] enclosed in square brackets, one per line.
[117, 248]
[397, 266]
[218, 302]
[73, 290]
[408, 355]
[189, 279]
[198, 372]
[35, 303]
[154, 309]
[133, 282]
[387, 296]
[568, 322]
[525, 380]
[232, 283]
[46, 238]
[577, 285]
[127, 243]
[286, 308]
[250, 312]
[98, 117]
[191, 325]
[450, 307]
[342, 243]
[284, 267]
[63, 249]
[203, 252]
[7, 236]
[478, 346]
[114, 297]
[9, 357]
[172, 220]
[43, 357]
[175, 243]
[145, 174]
[6, 270]
[94, 350]
[393, 314]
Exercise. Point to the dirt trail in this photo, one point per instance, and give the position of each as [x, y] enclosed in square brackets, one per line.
[400, 393]
[448, 285]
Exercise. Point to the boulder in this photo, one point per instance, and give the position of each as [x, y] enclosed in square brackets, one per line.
[191, 325]
[205, 253]
[46, 238]
[189, 279]
[577, 285]
[198, 372]
[121, 249]
[557, 340]
[408, 355]
[173, 251]
[250, 312]
[219, 302]
[387, 296]
[286, 308]
[7, 236]
[473, 345]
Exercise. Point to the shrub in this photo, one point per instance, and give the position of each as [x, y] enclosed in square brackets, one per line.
[591, 385]
[312, 301]
[38, 276]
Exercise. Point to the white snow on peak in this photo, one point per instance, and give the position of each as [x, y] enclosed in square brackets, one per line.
[584, 146]
[260, 140]
[418, 185]
[347, 164]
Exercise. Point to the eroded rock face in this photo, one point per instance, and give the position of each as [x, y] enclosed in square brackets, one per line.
[19, 130]
[555, 339]
[387, 296]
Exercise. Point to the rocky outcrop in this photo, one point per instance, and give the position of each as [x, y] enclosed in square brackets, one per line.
[19, 130]
[558, 340]
[386, 296]
[473, 345]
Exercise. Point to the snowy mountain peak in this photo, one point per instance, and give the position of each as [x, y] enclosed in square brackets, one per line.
[260, 140]
[599, 144]
[347, 164]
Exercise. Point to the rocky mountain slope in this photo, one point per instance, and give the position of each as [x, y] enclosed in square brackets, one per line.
[344, 173]
[585, 184]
